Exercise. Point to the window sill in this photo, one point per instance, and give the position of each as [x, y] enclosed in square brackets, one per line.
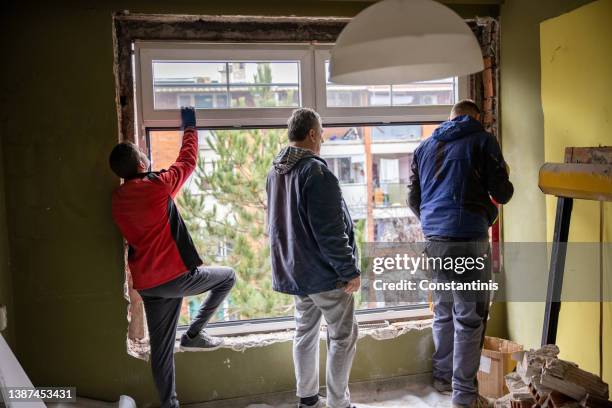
[381, 325]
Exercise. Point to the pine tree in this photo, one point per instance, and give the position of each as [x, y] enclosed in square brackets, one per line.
[226, 214]
[229, 216]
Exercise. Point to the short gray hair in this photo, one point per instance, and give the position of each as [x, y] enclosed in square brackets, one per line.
[300, 122]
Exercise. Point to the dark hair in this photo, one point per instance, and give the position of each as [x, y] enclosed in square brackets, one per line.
[300, 122]
[466, 107]
[124, 160]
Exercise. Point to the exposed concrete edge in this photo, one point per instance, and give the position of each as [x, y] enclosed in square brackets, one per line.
[377, 331]
[396, 329]
[169, 18]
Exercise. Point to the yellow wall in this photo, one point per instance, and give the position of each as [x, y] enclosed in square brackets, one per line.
[522, 133]
[576, 63]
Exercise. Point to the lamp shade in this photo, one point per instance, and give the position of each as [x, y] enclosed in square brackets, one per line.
[401, 41]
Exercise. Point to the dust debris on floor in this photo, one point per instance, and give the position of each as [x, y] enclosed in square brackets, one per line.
[416, 394]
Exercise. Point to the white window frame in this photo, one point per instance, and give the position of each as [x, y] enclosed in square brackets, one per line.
[376, 114]
[146, 52]
[312, 94]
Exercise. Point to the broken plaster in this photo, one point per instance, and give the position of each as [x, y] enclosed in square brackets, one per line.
[378, 331]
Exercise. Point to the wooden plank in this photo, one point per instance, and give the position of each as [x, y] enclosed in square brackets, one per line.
[589, 155]
[581, 181]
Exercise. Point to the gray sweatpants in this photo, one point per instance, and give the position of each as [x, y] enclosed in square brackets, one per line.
[163, 306]
[338, 308]
[459, 327]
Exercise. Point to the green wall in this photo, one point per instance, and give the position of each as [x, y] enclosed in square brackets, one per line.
[522, 130]
[58, 125]
[6, 293]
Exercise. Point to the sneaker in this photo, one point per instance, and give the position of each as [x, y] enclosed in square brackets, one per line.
[200, 342]
[319, 404]
[479, 402]
[442, 386]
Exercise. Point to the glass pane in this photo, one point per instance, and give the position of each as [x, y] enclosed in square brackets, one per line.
[222, 85]
[224, 201]
[372, 164]
[438, 92]
[269, 73]
[348, 96]
[399, 132]
[264, 96]
[264, 84]
[199, 84]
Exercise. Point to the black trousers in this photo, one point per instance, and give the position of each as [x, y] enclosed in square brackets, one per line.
[162, 307]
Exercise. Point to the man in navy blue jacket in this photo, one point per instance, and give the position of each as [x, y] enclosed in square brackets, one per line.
[314, 258]
[455, 174]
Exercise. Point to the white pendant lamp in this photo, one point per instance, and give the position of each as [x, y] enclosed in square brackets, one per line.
[401, 41]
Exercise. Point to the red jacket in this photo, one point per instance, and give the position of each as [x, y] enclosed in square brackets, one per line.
[160, 247]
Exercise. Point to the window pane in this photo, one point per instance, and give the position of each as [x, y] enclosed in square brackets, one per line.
[279, 73]
[224, 201]
[221, 85]
[199, 84]
[277, 84]
[382, 178]
[397, 133]
[348, 96]
[264, 96]
[375, 184]
[438, 92]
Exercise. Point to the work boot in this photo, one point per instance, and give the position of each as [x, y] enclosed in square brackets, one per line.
[202, 341]
[479, 402]
[442, 386]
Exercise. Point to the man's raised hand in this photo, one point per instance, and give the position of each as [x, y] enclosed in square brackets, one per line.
[188, 118]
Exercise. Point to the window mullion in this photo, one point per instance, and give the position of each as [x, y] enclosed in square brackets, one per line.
[313, 78]
[227, 86]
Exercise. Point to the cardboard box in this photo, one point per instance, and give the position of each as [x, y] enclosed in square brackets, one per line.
[495, 362]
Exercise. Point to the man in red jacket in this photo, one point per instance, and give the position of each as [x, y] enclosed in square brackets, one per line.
[163, 260]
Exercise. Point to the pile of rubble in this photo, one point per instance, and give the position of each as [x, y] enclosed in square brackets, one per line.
[542, 380]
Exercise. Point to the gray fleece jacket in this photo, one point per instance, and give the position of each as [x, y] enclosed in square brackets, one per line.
[312, 242]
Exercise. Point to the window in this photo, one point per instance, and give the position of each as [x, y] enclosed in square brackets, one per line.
[244, 94]
[219, 85]
[259, 84]
[263, 82]
[440, 92]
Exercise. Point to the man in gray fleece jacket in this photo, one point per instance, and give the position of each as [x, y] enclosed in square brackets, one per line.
[314, 258]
